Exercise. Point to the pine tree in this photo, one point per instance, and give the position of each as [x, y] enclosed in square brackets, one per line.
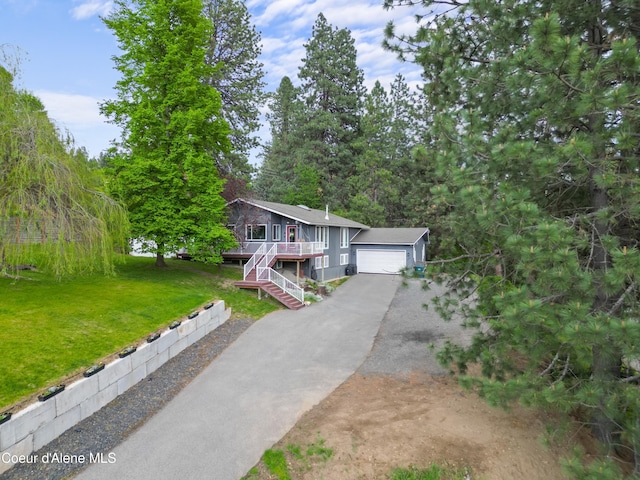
[332, 89]
[537, 162]
[234, 50]
[279, 159]
[172, 128]
[409, 119]
[373, 183]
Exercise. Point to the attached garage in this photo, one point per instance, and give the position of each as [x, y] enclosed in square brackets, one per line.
[380, 261]
[389, 250]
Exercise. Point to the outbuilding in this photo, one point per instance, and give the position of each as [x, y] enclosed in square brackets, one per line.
[389, 250]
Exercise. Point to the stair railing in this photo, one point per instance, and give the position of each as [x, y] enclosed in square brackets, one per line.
[255, 258]
[285, 285]
[266, 260]
[265, 273]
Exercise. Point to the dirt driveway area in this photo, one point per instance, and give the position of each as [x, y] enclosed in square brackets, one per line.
[402, 409]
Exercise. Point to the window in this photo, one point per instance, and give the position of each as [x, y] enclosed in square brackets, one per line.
[256, 232]
[344, 237]
[322, 236]
[276, 233]
[326, 261]
[318, 263]
[344, 259]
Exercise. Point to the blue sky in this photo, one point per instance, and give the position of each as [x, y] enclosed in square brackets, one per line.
[65, 51]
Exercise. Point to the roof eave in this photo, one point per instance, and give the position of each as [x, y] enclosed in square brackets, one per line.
[326, 223]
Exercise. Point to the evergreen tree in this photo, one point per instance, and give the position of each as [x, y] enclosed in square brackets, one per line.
[172, 128]
[304, 187]
[373, 183]
[409, 169]
[234, 48]
[537, 156]
[276, 172]
[332, 89]
[53, 210]
[389, 179]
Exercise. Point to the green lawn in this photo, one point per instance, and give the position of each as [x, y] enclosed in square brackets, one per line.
[50, 329]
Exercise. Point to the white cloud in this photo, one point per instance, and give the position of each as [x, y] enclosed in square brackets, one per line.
[274, 10]
[281, 57]
[89, 8]
[271, 44]
[71, 109]
[80, 115]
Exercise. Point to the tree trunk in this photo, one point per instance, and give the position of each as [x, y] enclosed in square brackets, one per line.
[606, 361]
[160, 260]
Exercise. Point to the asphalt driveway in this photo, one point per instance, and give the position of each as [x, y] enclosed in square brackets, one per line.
[256, 390]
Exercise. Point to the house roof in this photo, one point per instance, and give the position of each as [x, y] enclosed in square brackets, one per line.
[390, 236]
[306, 215]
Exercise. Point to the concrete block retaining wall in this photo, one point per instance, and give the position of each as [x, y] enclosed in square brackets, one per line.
[38, 424]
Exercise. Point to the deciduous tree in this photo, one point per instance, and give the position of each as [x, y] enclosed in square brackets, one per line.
[173, 128]
[53, 210]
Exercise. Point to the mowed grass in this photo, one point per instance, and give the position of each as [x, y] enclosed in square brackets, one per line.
[51, 329]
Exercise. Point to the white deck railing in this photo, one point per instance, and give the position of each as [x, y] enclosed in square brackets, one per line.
[293, 249]
[299, 248]
[267, 274]
[296, 248]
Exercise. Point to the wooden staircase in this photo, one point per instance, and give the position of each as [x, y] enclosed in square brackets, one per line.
[282, 296]
[270, 287]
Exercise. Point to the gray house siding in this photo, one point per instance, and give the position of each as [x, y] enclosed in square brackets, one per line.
[349, 243]
[338, 256]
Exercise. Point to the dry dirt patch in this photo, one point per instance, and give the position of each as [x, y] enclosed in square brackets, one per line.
[374, 424]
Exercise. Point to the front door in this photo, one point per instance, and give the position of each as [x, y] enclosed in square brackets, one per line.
[292, 233]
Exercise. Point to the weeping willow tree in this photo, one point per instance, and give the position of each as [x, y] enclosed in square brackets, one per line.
[52, 211]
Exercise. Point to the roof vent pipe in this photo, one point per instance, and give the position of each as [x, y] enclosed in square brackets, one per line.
[326, 215]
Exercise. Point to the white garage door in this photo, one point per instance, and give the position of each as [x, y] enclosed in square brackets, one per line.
[381, 261]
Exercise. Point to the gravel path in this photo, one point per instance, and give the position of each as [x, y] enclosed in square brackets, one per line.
[105, 429]
[411, 334]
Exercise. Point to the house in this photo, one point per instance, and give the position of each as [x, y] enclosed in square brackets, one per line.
[274, 238]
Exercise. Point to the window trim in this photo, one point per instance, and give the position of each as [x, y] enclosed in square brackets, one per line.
[344, 237]
[248, 232]
[276, 228]
[322, 236]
